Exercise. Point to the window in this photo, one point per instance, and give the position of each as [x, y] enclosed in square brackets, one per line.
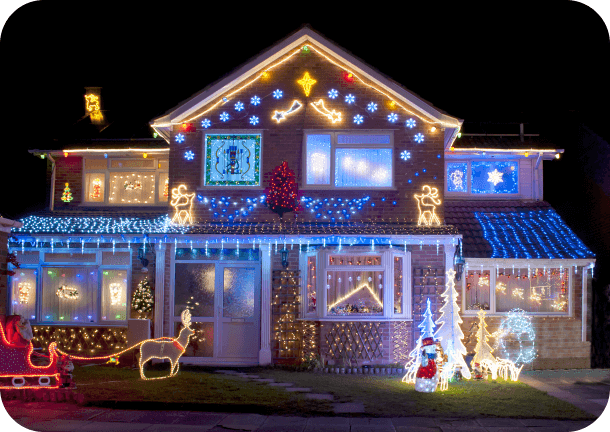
[342, 160]
[142, 181]
[482, 177]
[72, 287]
[535, 290]
[232, 160]
[358, 283]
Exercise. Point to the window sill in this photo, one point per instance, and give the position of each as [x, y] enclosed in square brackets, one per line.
[77, 324]
[352, 319]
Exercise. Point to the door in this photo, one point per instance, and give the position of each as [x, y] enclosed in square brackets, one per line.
[224, 300]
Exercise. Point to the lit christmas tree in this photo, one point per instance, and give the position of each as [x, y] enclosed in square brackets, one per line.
[143, 299]
[482, 350]
[450, 333]
[282, 195]
[97, 188]
[427, 330]
[67, 195]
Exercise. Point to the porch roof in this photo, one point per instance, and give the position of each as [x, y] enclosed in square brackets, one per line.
[513, 229]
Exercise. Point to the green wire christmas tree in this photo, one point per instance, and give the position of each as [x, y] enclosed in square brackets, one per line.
[143, 299]
[67, 195]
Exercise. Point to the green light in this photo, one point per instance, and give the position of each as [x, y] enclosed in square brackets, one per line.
[105, 273]
[155, 135]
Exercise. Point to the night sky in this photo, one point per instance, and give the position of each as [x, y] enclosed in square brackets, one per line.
[509, 63]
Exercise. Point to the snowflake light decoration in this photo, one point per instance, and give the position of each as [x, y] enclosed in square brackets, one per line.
[224, 116]
[205, 123]
[189, 155]
[419, 138]
[372, 107]
[410, 123]
[358, 119]
[350, 99]
[239, 106]
[332, 93]
[253, 120]
[278, 94]
[495, 177]
[255, 100]
[392, 117]
[179, 138]
[405, 155]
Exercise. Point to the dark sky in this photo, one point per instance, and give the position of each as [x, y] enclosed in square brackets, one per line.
[485, 62]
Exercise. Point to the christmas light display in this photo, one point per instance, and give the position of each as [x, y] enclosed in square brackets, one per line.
[334, 116]
[427, 331]
[426, 204]
[282, 194]
[483, 352]
[516, 328]
[132, 188]
[427, 376]
[405, 155]
[115, 289]
[494, 177]
[92, 102]
[182, 204]
[67, 195]
[307, 82]
[450, 334]
[232, 160]
[97, 188]
[278, 116]
[456, 173]
[68, 293]
[24, 289]
[143, 298]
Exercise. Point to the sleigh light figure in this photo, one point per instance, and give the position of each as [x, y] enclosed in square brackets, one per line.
[167, 348]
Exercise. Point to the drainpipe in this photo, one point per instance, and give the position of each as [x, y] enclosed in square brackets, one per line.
[52, 203]
[521, 131]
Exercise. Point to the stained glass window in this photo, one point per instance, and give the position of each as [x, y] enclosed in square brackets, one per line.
[232, 160]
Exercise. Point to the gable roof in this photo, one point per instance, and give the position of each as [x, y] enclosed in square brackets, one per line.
[254, 68]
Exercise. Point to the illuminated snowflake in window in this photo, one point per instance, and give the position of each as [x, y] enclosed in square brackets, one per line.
[495, 177]
[224, 116]
[405, 155]
[419, 138]
[189, 155]
[278, 94]
[239, 106]
[372, 107]
[179, 138]
[333, 93]
[205, 123]
[255, 100]
[350, 98]
[253, 120]
[410, 123]
[358, 119]
[392, 117]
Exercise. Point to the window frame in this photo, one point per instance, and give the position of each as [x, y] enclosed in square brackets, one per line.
[387, 266]
[469, 192]
[99, 268]
[107, 172]
[334, 145]
[492, 292]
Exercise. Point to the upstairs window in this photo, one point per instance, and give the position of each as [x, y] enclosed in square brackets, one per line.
[232, 160]
[482, 177]
[129, 181]
[342, 160]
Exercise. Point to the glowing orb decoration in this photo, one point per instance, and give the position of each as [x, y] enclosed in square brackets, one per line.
[182, 204]
[516, 338]
[426, 203]
[307, 82]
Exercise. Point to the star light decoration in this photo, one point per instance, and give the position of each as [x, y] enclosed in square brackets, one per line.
[281, 115]
[392, 117]
[254, 120]
[239, 106]
[495, 177]
[224, 116]
[278, 94]
[307, 82]
[333, 115]
[350, 99]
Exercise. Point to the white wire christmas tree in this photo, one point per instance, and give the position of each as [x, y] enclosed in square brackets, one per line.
[143, 299]
[482, 350]
[450, 334]
[427, 330]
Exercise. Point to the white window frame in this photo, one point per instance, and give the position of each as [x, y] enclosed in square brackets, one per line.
[106, 203]
[492, 284]
[97, 265]
[468, 192]
[387, 266]
[334, 145]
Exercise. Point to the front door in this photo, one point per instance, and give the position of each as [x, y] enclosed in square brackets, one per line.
[224, 300]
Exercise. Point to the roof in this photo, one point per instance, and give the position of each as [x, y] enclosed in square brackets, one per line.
[504, 142]
[513, 229]
[107, 144]
[254, 69]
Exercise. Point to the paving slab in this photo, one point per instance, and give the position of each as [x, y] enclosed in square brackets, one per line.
[279, 384]
[499, 422]
[461, 423]
[348, 407]
[538, 423]
[327, 428]
[370, 421]
[122, 416]
[319, 396]
[264, 380]
[284, 421]
[297, 389]
[428, 422]
[176, 428]
[110, 427]
[365, 428]
[325, 421]
[204, 419]
[57, 425]
[417, 429]
[242, 421]
[81, 414]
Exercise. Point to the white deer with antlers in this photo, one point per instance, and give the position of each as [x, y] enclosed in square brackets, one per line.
[167, 348]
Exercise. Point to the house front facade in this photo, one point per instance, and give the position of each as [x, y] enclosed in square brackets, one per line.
[389, 200]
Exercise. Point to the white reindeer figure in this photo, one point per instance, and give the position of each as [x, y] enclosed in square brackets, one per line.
[167, 348]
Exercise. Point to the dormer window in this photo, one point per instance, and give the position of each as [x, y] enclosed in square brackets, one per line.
[483, 177]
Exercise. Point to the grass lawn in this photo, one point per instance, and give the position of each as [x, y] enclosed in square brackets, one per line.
[198, 388]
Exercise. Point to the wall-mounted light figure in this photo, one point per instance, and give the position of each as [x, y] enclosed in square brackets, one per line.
[278, 116]
[333, 115]
[182, 204]
[307, 82]
[426, 203]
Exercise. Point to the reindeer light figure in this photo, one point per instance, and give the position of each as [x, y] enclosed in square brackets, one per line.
[426, 203]
[182, 204]
[167, 348]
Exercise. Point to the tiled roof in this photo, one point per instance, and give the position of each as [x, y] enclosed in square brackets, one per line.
[504, 142]
[513, 229]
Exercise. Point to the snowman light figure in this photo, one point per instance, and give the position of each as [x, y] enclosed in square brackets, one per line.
[427, 376]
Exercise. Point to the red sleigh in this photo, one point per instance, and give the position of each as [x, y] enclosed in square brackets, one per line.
[16, 368]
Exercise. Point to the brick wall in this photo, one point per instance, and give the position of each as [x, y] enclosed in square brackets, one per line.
[284, 141]
[68, 170]
[3, 277]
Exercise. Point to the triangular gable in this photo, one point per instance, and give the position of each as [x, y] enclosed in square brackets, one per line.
[252, 71]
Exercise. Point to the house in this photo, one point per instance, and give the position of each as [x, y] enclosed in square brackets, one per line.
[391, 199]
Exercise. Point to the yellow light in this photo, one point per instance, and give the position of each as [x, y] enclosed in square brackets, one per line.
[526, 154]
[426, 203]
[145, 155]
[182, 204]
[307, 82]
[93, 102]
[333, 115]
[433, 129]
[557, 156]
[281, 115]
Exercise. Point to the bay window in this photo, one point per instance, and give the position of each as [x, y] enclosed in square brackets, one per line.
[343, 160]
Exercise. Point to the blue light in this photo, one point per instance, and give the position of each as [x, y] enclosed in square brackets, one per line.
[254, 120]
[494, 177]
[419, 138]
[392, 118]
[255, 100]
[239, 106]
[278, 94]
[358, 119]
[179, 138]
[332, 93]
[224, 116]
[456, 176]
[350, 99]
[372, 107]
[205, 123]
[189, 155]
[405, 155]
[410, 123]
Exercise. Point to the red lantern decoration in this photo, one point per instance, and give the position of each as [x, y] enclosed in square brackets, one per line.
[188, 127]
[348, 77]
